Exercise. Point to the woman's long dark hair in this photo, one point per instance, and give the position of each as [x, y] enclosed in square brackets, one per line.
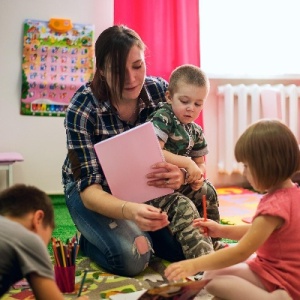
[111, 51]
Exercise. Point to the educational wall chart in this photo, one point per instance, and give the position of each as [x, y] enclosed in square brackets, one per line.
[55, 64]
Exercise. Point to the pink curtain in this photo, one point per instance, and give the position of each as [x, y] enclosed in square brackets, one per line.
[169, 28]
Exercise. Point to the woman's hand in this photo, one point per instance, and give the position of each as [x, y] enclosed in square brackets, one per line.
[208, 227]
[147, 217]
[166, 175]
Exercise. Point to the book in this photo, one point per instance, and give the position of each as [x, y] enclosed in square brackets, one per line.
[174, 291]
[127, 158]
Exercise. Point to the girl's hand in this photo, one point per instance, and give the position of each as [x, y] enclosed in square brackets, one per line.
[181, 270]
[166, 175]
[208, 227]
[147, 217]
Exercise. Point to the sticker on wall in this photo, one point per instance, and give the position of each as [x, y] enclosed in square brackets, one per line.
[58, 57]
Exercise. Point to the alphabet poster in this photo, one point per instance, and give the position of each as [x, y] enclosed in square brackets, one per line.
[54, 65]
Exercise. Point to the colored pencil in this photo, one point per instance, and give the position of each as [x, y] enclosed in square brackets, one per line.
[204, 210]
[204, 207]
[56, 259]
[82, 282]
[64, 254]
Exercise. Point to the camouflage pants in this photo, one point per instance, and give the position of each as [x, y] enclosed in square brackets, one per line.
[182, 208]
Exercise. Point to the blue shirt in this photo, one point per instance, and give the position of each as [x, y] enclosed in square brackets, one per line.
[89, 121]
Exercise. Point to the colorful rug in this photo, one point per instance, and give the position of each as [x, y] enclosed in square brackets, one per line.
[235, 204]
[99, 284]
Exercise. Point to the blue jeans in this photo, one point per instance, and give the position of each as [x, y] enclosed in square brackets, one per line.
[111, 242]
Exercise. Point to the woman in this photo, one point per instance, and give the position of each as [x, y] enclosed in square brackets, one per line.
[120, 236]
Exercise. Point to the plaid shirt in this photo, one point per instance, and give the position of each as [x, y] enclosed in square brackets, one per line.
[89, 121]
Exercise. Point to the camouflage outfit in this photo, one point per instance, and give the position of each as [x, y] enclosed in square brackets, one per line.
[181, 139]
[182, 208]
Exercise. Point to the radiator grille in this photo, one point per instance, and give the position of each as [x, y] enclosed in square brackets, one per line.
[241, 105]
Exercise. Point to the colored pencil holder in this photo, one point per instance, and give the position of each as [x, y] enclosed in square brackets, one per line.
[65, 278]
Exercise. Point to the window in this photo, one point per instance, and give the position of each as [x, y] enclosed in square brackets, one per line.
[250, 37]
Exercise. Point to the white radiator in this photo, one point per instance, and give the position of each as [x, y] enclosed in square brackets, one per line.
[241, 105]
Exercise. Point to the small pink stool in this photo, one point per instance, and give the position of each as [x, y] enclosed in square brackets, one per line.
[7, 159]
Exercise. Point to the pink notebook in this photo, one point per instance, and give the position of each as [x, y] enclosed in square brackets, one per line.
[127, 158]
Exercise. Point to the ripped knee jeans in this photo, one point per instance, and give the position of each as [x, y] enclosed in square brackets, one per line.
[118, 246]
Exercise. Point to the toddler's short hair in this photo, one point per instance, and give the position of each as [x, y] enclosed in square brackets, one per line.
[190, 74]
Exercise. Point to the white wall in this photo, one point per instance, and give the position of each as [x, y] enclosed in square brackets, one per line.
[41, 140]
